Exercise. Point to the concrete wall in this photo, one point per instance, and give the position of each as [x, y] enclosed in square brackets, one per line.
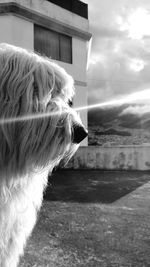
[112, 158]
[16, 31]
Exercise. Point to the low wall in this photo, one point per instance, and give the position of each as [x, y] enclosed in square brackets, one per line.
[112, 158]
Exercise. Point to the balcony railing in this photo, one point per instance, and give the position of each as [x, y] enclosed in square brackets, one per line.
[75, 6]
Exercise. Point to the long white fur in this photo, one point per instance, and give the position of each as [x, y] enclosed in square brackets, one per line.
[29, 149]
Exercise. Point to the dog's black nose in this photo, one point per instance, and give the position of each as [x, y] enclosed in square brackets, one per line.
[79, 133]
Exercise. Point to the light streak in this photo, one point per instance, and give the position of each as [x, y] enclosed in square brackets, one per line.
[135, 98]
[131, 98]
[27, 117]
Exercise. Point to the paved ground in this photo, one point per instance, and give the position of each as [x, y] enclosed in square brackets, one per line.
[93, 219]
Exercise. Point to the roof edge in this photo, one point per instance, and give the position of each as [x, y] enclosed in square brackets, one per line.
[45, 21]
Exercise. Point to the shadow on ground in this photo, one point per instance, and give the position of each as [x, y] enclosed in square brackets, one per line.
[93, 185]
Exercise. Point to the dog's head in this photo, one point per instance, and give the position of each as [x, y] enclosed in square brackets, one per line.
[38, 128]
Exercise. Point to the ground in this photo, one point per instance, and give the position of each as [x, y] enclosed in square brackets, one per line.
[93, 219]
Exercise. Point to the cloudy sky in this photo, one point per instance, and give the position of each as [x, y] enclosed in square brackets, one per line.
[120, 52]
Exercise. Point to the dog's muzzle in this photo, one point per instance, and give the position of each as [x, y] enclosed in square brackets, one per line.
[79, 133]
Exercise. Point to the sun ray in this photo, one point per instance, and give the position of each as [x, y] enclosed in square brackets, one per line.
[140, 97]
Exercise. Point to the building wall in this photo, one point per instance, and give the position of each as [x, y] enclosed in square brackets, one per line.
[112, 158]
[53, 11]
[20, 31]
[16, 31]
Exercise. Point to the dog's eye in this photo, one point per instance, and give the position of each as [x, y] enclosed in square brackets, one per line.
[70, 103]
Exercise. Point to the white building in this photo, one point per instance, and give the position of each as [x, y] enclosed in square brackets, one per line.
[56, 28]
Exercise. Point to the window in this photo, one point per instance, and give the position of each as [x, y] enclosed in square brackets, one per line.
[53, 44]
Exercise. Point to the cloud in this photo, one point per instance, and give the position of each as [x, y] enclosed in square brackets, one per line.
[119, 63]
[138, 110]
[137, 64]
[136, 24]
[115, 75]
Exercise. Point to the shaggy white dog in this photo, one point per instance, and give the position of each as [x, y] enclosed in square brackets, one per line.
[37, 130]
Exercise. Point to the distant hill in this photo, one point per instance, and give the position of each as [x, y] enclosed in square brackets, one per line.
[100, 116]
[111, 117]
